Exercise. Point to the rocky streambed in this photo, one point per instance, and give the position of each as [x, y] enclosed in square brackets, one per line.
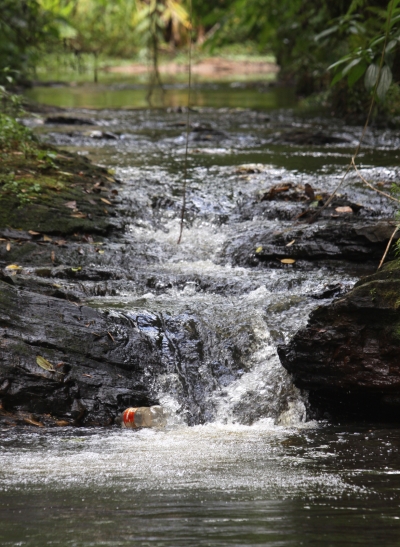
[101, 309]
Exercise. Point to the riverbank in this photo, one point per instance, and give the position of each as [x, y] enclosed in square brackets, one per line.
[208, 68]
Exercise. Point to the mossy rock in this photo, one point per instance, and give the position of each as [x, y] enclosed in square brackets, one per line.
[39, 186]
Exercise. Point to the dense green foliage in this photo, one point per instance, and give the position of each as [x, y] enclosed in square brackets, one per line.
[315, 43]
[13, 136]
[24, 25]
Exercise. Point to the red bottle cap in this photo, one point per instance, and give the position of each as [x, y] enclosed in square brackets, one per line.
[128, 416]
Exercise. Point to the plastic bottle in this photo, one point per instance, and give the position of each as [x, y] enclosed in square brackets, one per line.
[144, 416]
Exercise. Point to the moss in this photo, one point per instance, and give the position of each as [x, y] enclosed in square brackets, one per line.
[392, 266]
[396, 331]
[20, 348]
[36, 183]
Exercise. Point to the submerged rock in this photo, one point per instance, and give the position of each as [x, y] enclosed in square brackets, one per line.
[348, 356]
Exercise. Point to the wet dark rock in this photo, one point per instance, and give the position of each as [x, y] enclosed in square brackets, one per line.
[348, 356]
[100, 360]
[68, 120]
[313, 138]
[349, 240]
[205, 132]
[329, 291]
[287, 191]
[302, 203]
[102, 135]
[105, 361]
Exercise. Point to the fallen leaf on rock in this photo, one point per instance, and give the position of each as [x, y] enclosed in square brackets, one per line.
[105, 211]
[92, 202]
[57, 286]
[288, 261]
[345, 209]
[58, 365]
[62, 423]
[70, 204]
[53, 256]
[87, 375]
[100, 251]
[259, 249]
[290, 243]
[44, 363]
[33, 233]
[13, 267]
[104, 200]
[79, 215]
[78, 269]
[8, 247]
[47, 238]
[61, 242]
[30, 421]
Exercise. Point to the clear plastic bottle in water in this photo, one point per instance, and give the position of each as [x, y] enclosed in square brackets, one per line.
[144, 416]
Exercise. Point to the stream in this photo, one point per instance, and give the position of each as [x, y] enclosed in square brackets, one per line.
[242, 461]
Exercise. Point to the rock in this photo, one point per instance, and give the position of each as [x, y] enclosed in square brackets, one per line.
[68, 120]
[305, 137]
[345, 240]
[100, 360]
[102, 135]
[348, 356]
[205, 132]
[104, 361]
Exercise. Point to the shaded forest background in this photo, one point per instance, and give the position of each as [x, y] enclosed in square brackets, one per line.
[333, 49]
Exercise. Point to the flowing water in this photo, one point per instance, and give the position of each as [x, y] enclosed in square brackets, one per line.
[240, 462]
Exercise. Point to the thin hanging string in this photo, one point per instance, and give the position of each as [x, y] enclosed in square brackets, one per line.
[185, 169]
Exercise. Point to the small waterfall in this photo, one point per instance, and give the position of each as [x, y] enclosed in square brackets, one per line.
[219, 360]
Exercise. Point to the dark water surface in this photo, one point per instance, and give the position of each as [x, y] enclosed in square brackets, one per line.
[134, 95]
[257, 473]
[206, 485]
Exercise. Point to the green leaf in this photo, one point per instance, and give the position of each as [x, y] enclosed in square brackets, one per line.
[339, 76]
[371, 76]
[384, 82]
[340, 62]
[44, 363]
[377, 40]
[356, 73]
[391, 45]
[325, 33]
[352, 64]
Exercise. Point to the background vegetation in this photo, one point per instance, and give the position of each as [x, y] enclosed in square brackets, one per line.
[316, 43]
